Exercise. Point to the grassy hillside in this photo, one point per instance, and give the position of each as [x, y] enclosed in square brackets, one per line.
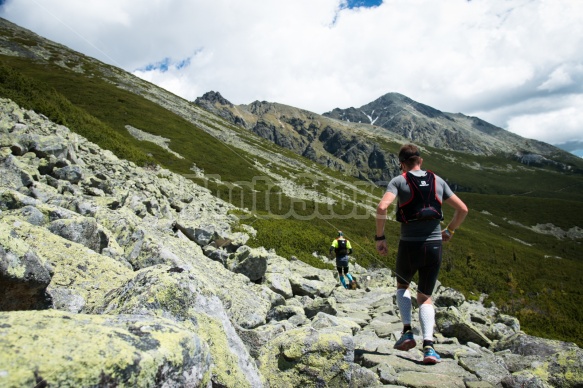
[531, 275]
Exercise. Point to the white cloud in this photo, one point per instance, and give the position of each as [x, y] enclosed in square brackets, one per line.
[557, 126]
[516, 63]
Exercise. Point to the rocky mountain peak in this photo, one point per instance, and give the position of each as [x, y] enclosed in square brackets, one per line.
[213, 98]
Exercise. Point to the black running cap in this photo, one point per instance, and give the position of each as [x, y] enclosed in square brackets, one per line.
[408, 155]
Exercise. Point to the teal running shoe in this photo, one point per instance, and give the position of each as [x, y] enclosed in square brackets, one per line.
[406, 341]
[430, 356]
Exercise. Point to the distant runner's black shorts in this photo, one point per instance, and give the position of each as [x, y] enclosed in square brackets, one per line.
[342, 264]
[419, 256]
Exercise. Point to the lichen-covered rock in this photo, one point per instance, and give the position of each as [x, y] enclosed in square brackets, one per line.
[527, 345]
[249, 262]
[255, 339]
[23, 276]
[446, 297]
[73, 174]
[285, 312]
[488, 367]
[178, 294]
[317, 305]
[451, 323]
[75, 268]
[323, 320]
[83, 230]
[308, 357]
[57, 349]
[279, 283]
[318, 283]
[14, 174]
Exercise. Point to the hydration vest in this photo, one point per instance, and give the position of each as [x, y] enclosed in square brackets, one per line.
[341, 250]
[423, 204]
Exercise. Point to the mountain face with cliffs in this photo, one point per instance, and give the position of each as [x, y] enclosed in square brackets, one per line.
[350, 141]
[426, 125]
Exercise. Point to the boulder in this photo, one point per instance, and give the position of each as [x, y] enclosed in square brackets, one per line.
[446, 297]
[82, 230]
[488, 367]
[249, 262]
[14, 174]
[56, 349]
[323, 320]
[527, 345]
[74, 267]
[72, 174]
[451, 323]
[255, 339]
[279, 283]
[177, 294]
[308, 357]
[324, 305]
[23, 275]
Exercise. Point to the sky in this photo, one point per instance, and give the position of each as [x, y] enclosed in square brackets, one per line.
[517, 64]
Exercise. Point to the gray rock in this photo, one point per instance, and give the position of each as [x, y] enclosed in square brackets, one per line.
[527, 345]
[23, 276]
[490, 368]
[32, 215]
[216, 254]
[448, 297]
[324, 305]
[249, 262]
[66, 299]
[284, 312]
[178, 294]
[323, 320]
[279, 283]
[94, 350]
[451, 324]
[82, 230]
[73, 174]
[14, 175]
[255, 339]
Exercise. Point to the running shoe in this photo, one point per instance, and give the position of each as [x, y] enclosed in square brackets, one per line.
[430, 356]
[406, 341]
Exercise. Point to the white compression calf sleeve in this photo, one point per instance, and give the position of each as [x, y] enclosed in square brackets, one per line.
[404, 303]
[427, 319]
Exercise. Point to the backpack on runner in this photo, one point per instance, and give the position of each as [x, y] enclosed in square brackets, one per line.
[342, 249]
[423, 204]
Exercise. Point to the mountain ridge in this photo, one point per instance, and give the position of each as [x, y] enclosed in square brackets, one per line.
[311, 135]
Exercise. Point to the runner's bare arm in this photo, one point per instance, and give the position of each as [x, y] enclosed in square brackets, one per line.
[381, 217]
[459, 215]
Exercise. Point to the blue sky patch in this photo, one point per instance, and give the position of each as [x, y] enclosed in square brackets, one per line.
[162, 65]
[165, 64]
[363, 3]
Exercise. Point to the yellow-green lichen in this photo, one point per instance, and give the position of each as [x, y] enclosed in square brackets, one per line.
[226, 369]
[73, 350]
[75, 266]
[302, 356]
[569, 362]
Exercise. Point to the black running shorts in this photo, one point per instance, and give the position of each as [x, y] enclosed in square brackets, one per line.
[419, 256]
